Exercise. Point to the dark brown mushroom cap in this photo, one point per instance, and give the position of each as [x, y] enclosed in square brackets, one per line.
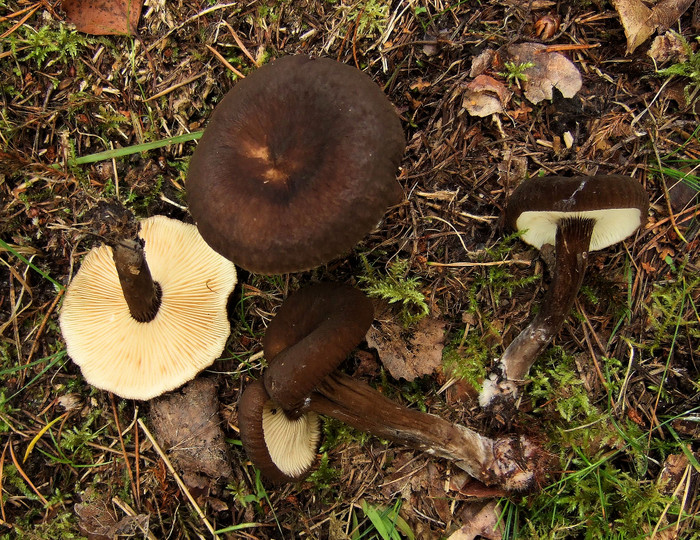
[618, 204]
[298, 163]
[311, 334]
[283, 449]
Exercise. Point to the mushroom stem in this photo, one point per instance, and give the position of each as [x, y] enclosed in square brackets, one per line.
[141, 292]
[510, 463]
[571, 257]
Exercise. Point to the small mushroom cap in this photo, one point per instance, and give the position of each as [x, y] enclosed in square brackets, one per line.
[137, 360]
[283, 449]
[618, 205]
[311, 334]
[298, 163]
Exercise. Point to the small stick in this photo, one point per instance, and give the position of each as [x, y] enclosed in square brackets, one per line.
[2, 466]
[469, 264]
[240, 45]
[42, 326]
[130, 512]
[225, 62]
[134, 486]
[576, 47]
[175, 86]
[21, 21]
[24, 475]
[137, 460]
[179, 481]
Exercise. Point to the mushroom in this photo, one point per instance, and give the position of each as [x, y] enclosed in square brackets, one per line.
[140, 321]
[283, 448]
[308, 338]
[298, 163]
[577, 215]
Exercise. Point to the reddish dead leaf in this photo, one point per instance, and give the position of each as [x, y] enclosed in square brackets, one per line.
[547, 25]
[104, 17]
[407, 354]
[648, 268]
[550, 70]
[634, 415]
[485, 96]
[420, 84]
[640, 21]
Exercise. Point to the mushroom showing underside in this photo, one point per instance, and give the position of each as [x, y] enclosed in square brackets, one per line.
[297, 164]
[310, 335]
[140, 321]
[576, 215]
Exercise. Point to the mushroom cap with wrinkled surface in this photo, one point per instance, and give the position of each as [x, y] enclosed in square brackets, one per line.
[141, 360]
[618, 205]
[297, 164]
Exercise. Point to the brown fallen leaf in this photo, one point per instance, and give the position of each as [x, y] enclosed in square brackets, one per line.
[482, 62]
[550, 70]
[640, 21]
[98, 520]
[485, 96]
[186, 423]
[483, 522]
[669, 47]
[407, 354]
[104, 17]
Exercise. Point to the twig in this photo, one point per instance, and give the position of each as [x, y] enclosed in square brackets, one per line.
[179, 481]
[42, 326]
[241, 46]
[130, 512]
[467, 264]
[354, 37]
[225, 62]
[2, 466]
[20, 22]
[190, 20]
[24, 475]
[114, 170]
[134, 485]
[176, 86]
[137, 460]
[563, 47]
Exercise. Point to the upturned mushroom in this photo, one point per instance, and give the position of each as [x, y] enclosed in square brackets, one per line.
[576, 215]
[297, 164]
[141, 320]
[304, 344]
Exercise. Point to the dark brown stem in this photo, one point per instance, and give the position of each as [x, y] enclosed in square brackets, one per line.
[572, 243]
[506, 462]
[141, 293]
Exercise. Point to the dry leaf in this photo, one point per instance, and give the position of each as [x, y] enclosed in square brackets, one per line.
[484, 523]
[668, 47]
[485, 96]
[550, 70]
[98, 520]
[482, 62]
[186, 422]
[407, 354]
[640, 21]
[103, 17]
